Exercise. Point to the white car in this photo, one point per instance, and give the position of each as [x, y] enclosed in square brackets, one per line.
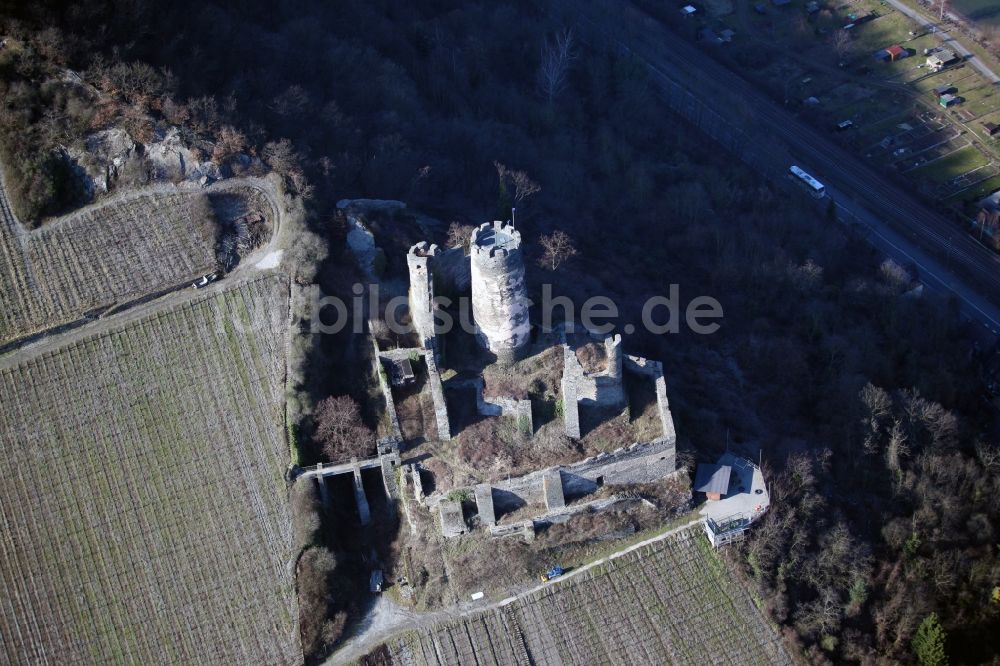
[205, 280]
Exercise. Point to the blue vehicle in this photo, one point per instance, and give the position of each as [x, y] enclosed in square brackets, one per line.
[554, 572]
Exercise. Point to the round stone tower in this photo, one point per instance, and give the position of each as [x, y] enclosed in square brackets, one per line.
[422, 290]
[499, 298]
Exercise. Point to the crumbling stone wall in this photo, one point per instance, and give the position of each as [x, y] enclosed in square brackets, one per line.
[570, 399]
[433, 382]
[499, 294]
[390, 404]
[452, 271]
[654, 370]
[484, 504]
[520, 410]
[639, 463]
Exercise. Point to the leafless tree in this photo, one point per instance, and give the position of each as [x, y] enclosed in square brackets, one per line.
[989, 456]
[841, 42]
[895, 451]
[340, 430]
[229, 142]
[459, 234]
[558, 247]
[523, 186]
[553, 72]
[291, 102]
[878, 405]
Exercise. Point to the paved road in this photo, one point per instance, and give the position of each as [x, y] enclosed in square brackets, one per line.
[950, 261]
[953, 42]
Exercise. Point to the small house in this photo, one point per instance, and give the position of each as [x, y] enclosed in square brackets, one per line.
[896, 52]
[949, 100]
[944, 90]
[713, 480]
[941, 59]
[812, 7]
[727, 35]
[688, 10]
[991, 129]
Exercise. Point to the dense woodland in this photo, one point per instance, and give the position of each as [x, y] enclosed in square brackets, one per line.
[867, 403]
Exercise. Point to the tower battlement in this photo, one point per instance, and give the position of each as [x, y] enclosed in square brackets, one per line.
[495, 240]
[422, 249]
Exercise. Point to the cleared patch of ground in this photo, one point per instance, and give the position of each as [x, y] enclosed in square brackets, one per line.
[142, 494]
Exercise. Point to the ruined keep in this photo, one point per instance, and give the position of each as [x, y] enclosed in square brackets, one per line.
[422, 291]
[499, 298]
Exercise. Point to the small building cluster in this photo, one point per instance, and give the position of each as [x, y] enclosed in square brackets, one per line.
[736, 497]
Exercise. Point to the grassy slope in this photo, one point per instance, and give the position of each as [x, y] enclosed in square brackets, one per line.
[142, 498]
[671, 601]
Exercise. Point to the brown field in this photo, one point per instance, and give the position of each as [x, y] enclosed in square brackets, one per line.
[104, 255]
[143, 505]
[671, 602]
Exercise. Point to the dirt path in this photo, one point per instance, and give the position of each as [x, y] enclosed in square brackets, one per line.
[387, 618]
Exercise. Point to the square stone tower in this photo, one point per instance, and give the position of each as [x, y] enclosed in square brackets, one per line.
[419, 262]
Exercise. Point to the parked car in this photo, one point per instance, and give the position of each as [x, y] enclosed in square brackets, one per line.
[205, 280]
[554, 572]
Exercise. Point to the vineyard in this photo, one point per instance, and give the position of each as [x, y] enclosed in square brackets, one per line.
[143, 505]
[668, 602]
[99, 256]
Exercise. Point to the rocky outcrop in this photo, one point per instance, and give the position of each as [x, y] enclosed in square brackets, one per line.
[171, 159]
[112, 156]
[103, 159]
[369, 257]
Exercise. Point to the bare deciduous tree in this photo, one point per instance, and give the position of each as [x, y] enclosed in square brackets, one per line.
[229, 142]
[340, 430]
[558, 247]
[553, 71]
[841, 42]
[878, 405]
[459, 234]
[523, 186]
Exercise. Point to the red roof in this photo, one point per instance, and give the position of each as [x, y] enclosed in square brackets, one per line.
[895, 50]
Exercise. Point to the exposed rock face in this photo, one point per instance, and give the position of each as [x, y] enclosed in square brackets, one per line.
[360, 239]
[171, 159]
[111, 155]
[103, 159]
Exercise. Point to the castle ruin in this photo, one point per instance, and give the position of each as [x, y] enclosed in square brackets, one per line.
[422, 291]
[499, 298]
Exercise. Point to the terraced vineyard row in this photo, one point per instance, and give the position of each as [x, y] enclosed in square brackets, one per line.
[142, 501]
[99, 256]
[668, 603]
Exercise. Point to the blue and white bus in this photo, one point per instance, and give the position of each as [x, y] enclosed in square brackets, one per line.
[815, 187]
